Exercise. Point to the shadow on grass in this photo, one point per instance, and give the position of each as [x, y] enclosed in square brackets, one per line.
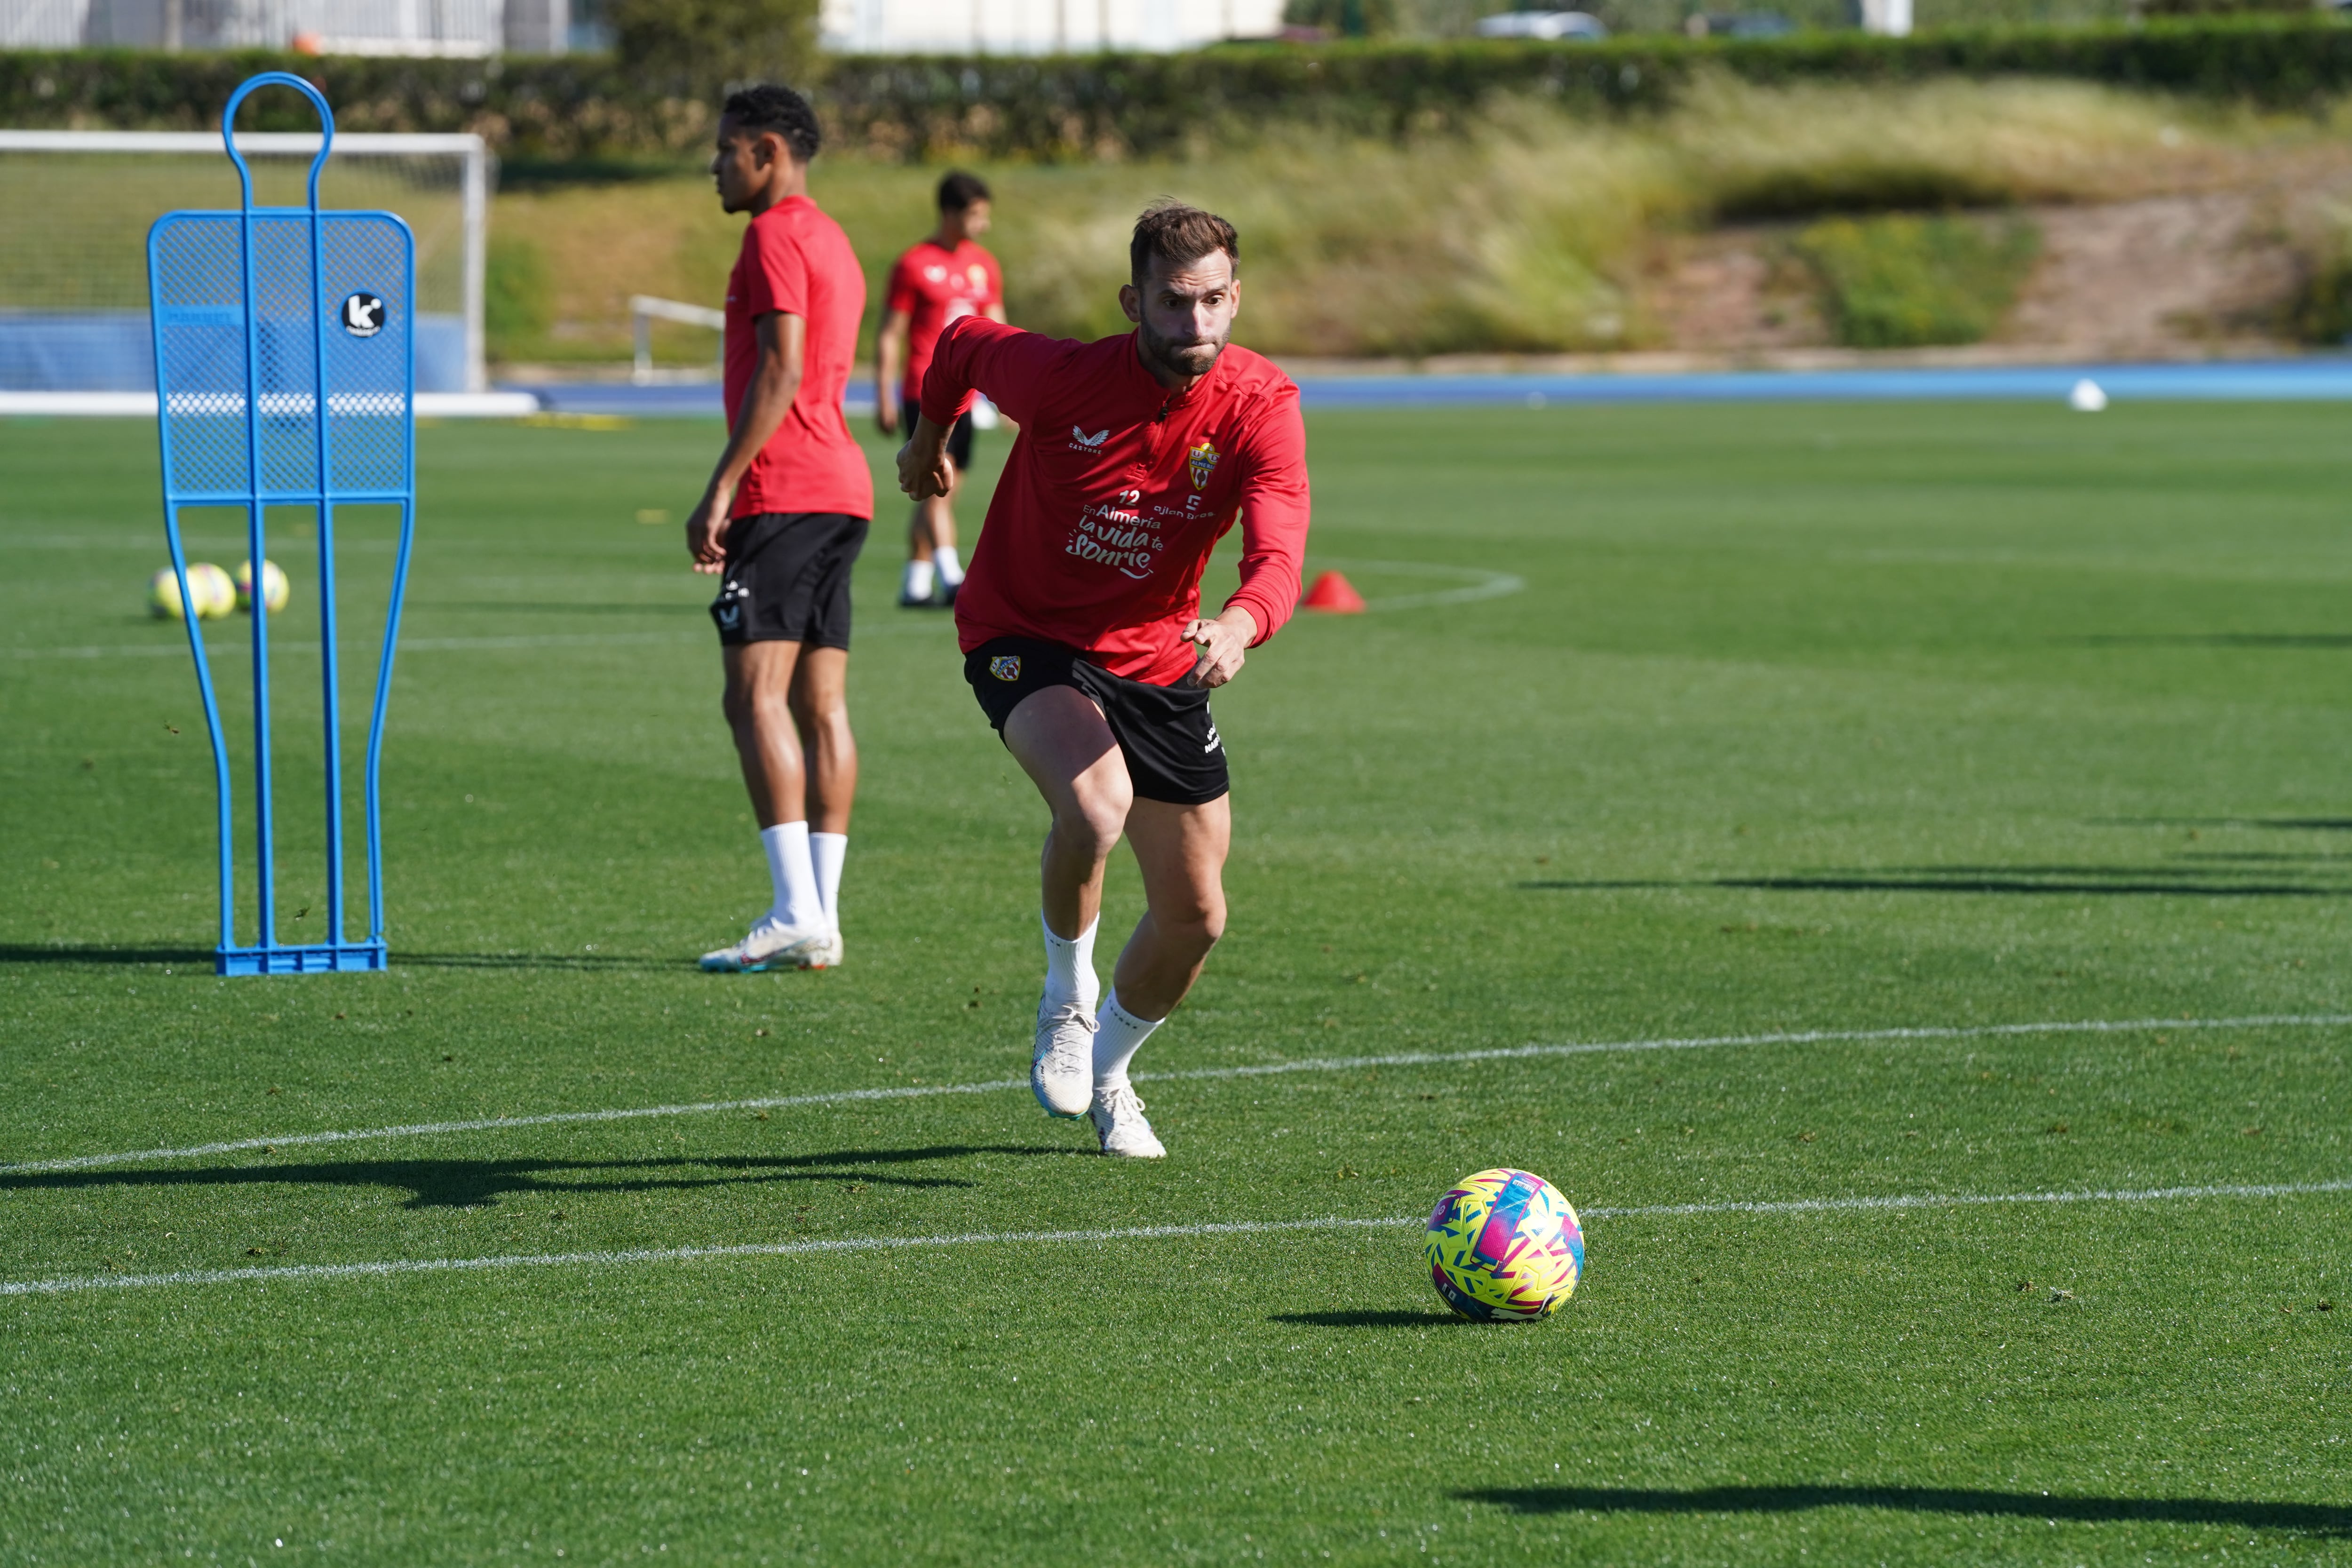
[1371, 1320]
[2318, 824]
[100, 953]
[199, 960]
[571, 963]
[2101, 881]
[2310, 1519]
[467, 1184]
[2215, 640]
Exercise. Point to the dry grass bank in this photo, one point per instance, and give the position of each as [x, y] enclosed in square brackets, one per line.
[1538, 232]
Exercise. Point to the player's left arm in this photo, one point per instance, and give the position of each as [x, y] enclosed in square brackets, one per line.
[775, 381]
[1275, 510]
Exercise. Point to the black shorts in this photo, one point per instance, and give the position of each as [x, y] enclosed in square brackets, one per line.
[958, 438]
[788, 578]
[1172, 749]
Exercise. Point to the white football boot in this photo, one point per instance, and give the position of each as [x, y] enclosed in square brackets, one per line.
[1118, 1122]
[771, 944]
[1062, 1070]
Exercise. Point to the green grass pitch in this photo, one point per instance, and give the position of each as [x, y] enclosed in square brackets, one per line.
[1801, 719]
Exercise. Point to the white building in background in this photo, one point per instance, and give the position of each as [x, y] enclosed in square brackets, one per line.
[1890, 17]
[472, 28]
[1038, 26]
[463, 29]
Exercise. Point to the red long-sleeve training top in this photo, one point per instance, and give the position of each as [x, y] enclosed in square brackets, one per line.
[1117, 490]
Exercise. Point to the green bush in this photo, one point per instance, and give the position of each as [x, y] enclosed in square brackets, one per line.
[1911, 282]
[518, 296]
[699, 44]
[2320, 311]
[1346, 18]
[1083, 107]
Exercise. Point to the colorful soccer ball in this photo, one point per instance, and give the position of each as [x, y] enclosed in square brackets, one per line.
[1504, 1246]
[208, 585]
[273, 586]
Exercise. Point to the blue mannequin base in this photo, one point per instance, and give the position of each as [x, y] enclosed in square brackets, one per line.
[335, 958]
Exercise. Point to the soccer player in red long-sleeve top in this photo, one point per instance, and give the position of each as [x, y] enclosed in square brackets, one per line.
[1081, 625]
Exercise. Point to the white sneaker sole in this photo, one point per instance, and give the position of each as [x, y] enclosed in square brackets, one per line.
[1082, 1095]
[809, 952]
[1148, 1148]
[1069, 1094]
[1154, 1152]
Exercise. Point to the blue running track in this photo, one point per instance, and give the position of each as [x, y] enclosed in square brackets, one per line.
[2297, 380]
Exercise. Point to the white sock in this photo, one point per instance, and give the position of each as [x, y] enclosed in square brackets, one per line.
[1070, 965]
[825, 852]
[1118, 1035]
[950, 569]
[793, 875]
[917, 583]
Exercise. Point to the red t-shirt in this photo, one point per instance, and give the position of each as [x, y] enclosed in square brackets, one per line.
[1116, 491]
[935, 286]
[797, 262]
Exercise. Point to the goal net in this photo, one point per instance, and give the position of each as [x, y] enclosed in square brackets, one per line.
[75, 207]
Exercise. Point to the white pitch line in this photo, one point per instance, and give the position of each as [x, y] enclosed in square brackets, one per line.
[494, 1123]
[302, 1271]
[670, 1255]
[1261, 1069]
[290, 646]
[1937, 1200]
[225, 648]
[1480, 582]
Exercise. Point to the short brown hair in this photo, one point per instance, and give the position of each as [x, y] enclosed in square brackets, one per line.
[1176, 232]
[958, 190]
[765, 106]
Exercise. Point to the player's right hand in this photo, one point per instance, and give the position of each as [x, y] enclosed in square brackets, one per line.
[886, 413]
[924, 468]
[706, 535]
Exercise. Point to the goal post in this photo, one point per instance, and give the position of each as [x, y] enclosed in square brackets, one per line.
[74, 328]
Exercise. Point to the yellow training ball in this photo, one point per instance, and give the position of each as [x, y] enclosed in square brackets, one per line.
[274, 588]
[208, 585]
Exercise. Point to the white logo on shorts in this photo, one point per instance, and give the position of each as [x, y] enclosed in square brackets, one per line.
[1213, 741]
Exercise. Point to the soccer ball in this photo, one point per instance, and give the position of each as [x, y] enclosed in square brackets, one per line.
[1504, 1246]
[273, 586]
[208, 585]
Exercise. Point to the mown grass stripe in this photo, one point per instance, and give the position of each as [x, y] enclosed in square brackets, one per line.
[1261, 1069]
[305, 1271]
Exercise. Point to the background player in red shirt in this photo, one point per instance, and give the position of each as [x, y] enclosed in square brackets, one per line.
[1081, 622]
[782, 521]
[938, 280]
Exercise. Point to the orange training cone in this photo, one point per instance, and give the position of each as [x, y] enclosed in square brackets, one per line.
[1334, 595]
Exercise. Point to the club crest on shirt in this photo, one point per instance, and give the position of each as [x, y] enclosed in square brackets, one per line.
[1006, 666]
[1203, 462]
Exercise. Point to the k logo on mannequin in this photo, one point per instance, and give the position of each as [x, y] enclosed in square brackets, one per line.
[362, 315]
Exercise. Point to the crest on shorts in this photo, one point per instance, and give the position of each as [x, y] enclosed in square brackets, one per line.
[1006, 666]
[1203, 460]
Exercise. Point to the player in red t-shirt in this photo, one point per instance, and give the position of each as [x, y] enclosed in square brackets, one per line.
[782, 521]
[937, 282]
[1081, 622]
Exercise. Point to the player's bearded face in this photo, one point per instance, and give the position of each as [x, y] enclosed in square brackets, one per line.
[1184, 314]
[735, 167]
